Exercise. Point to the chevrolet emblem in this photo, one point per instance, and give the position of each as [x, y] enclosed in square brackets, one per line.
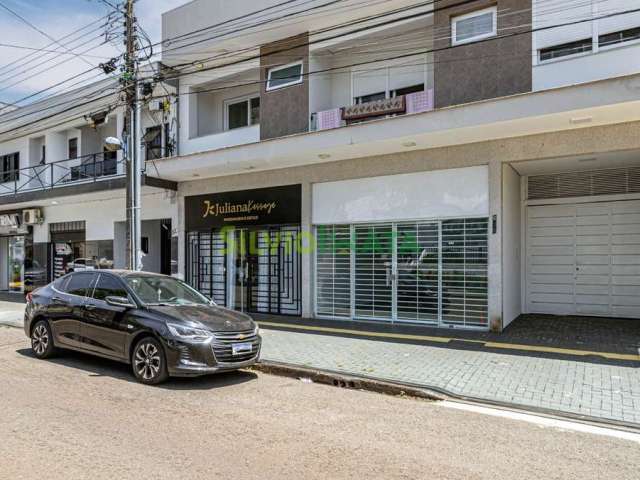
[241, 336]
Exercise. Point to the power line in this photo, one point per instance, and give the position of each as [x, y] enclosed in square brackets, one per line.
[339, 35]
[42, 32]
[13, 73]
[412, 54]
[19, 81]
[44, 50]
[35, 94]
[18, 60]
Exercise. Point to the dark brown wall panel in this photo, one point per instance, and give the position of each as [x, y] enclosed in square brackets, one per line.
[490, 68]
[284, 111]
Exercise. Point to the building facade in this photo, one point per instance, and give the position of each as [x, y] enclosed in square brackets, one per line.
[455, 165]
[62, 195]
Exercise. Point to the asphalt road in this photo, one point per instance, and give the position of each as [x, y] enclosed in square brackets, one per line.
[76, 417]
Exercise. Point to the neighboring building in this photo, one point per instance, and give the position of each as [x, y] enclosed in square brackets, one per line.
[453, 167]
[62, 204]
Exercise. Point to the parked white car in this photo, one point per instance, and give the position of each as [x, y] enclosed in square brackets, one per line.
[81, 264]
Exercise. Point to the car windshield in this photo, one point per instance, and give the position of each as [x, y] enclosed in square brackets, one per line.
[164, 291]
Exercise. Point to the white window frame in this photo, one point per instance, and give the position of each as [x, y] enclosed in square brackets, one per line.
[571, 56]
[389, 93]
[232, 101]
[282, 67]
[476, 13]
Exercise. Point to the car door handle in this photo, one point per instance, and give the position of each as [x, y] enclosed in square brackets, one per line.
[88, 306]
[57, 300]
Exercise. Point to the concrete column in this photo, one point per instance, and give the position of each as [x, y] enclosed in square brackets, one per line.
[56, 144]
[495, 245]
[307, 252]
[182, 244]
[119, 131]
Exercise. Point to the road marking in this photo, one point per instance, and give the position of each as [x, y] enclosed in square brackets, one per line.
[542, 421]
[429, 338]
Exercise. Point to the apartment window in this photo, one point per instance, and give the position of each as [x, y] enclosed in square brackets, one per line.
[370, 98]
[10, 167]
[619, 37]
[398, 92]
[73, 148]
[284, 76]
[153, 142]
[566, 49]
[389, 79]
[242, 112]
[474, 26]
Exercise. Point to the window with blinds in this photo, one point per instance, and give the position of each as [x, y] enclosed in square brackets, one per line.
[429, 272]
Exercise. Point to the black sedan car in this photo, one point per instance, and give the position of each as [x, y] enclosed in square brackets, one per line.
[158, 324]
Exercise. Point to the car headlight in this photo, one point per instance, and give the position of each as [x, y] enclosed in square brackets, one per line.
[256, 330]
[188, 333]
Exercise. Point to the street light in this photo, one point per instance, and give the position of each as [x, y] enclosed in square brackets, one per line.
[113, 144]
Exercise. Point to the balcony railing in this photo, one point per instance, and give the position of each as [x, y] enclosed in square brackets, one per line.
[88, 168]
[339, 117]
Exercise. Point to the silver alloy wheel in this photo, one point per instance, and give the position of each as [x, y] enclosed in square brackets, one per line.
[147, 361]
[40, 339]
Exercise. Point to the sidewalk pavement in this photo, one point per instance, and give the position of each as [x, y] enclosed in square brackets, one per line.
[579, 386]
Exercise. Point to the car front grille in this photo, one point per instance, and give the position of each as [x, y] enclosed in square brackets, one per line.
[222, 346]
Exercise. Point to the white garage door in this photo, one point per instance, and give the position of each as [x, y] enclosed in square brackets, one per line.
[584, 259]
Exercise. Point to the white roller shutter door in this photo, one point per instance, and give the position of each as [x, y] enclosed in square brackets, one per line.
[584, 259]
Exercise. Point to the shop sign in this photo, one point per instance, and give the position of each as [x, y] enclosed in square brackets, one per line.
[262, 206]
[10, 220]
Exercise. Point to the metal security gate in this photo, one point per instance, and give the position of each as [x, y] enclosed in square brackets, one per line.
[255, 270]
[431, 272]
[584, 259]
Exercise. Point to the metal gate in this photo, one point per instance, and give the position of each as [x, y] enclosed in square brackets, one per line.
[256, 270]
[429, 272]
[584, 259]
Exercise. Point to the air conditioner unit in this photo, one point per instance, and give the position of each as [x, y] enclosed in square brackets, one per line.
[31, 216]
[156, 105]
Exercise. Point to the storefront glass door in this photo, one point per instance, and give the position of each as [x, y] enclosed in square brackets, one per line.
[16, 264]
[240, 270]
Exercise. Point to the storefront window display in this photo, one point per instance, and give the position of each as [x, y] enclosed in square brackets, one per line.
[71, 252]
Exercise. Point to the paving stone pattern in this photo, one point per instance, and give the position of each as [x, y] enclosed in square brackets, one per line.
[579, 386]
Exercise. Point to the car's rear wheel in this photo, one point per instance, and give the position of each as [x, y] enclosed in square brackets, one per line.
[42, 340]
[149, 362]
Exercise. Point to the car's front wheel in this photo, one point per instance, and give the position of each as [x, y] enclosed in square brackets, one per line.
[149, 362]
[42, 340]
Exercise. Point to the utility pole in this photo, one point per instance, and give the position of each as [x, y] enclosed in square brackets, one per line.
[133, 140]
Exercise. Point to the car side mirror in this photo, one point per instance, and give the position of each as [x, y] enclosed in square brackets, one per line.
[119, 302]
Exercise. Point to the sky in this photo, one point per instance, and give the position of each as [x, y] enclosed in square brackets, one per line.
[58, 18]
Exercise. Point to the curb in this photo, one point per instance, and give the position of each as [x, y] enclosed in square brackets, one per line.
[346, 381]
[9, 324]
[337, 379]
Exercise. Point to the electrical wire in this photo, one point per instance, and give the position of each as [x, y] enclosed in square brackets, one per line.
[398, 57]
[21, 61]
[432, 50]
[44, 50]
[39, 30]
